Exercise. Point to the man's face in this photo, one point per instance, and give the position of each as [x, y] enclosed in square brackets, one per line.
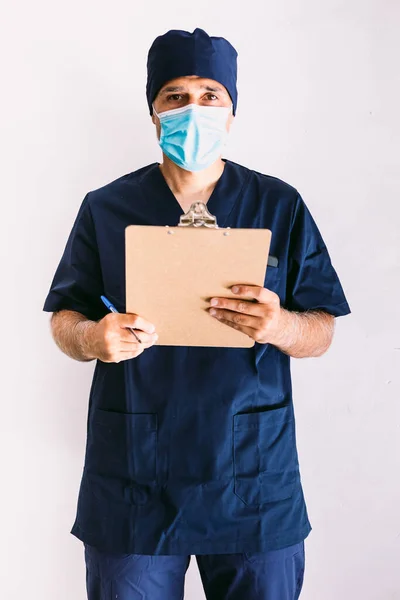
[192, 89]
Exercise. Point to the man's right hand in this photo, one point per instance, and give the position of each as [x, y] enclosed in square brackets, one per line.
[112, 342]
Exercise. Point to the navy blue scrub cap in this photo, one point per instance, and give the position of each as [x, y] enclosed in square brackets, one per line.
[180, 53]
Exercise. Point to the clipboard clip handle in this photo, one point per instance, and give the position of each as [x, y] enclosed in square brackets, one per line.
[198, 216]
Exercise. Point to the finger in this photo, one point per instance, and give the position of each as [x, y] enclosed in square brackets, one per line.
[125, 347]
[239, 319]
[240, 306]
[247, 330]
[127, 337]
[260, 294]
[130, 355]
[136, 322]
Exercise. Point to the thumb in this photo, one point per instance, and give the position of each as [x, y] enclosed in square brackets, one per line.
[137, 322]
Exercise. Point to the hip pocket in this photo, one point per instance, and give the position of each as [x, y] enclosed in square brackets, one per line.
[264, 455]
[123, 445]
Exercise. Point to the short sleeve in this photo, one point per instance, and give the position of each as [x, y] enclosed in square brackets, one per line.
[312, 282]
[77, 283]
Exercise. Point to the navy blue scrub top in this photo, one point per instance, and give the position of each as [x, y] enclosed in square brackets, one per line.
[192, 450]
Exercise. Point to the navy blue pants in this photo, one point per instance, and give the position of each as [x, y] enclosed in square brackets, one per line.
[274, 575]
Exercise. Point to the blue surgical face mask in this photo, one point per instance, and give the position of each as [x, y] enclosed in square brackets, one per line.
[193, 136]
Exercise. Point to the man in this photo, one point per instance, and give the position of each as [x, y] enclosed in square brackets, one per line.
[193, 450]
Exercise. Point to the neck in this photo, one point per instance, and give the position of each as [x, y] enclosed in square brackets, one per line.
[186, 185]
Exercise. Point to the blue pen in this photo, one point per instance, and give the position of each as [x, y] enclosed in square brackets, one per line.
[112, 308]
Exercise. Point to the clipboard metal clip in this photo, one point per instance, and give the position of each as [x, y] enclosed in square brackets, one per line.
[198, 216]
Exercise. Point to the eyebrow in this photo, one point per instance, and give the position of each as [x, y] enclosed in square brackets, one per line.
[181, 88]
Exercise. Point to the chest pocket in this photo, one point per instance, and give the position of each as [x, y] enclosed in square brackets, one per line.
[272, 277]
[265, 458]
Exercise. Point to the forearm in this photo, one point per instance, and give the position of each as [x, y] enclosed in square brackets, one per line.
[72, 333]
[305, 334]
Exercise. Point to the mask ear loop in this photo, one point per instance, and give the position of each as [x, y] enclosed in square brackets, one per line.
[155, 112]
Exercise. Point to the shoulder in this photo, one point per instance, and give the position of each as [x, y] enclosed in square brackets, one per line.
[270, 189]
[118, 186]
[267, 186]
[264, 180]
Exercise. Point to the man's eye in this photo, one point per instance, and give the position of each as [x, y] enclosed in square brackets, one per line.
[175, 97]
[211, 97]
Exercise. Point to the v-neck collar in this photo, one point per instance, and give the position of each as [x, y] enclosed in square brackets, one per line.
[165, 208]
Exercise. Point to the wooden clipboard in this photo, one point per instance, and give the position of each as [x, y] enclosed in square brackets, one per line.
[173, 272]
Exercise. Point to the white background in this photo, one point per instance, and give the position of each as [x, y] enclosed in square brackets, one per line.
[318, 107]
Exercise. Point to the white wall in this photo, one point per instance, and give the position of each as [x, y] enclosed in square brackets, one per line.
[319, 107]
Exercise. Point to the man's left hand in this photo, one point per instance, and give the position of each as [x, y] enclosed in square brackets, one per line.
[262, 320]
